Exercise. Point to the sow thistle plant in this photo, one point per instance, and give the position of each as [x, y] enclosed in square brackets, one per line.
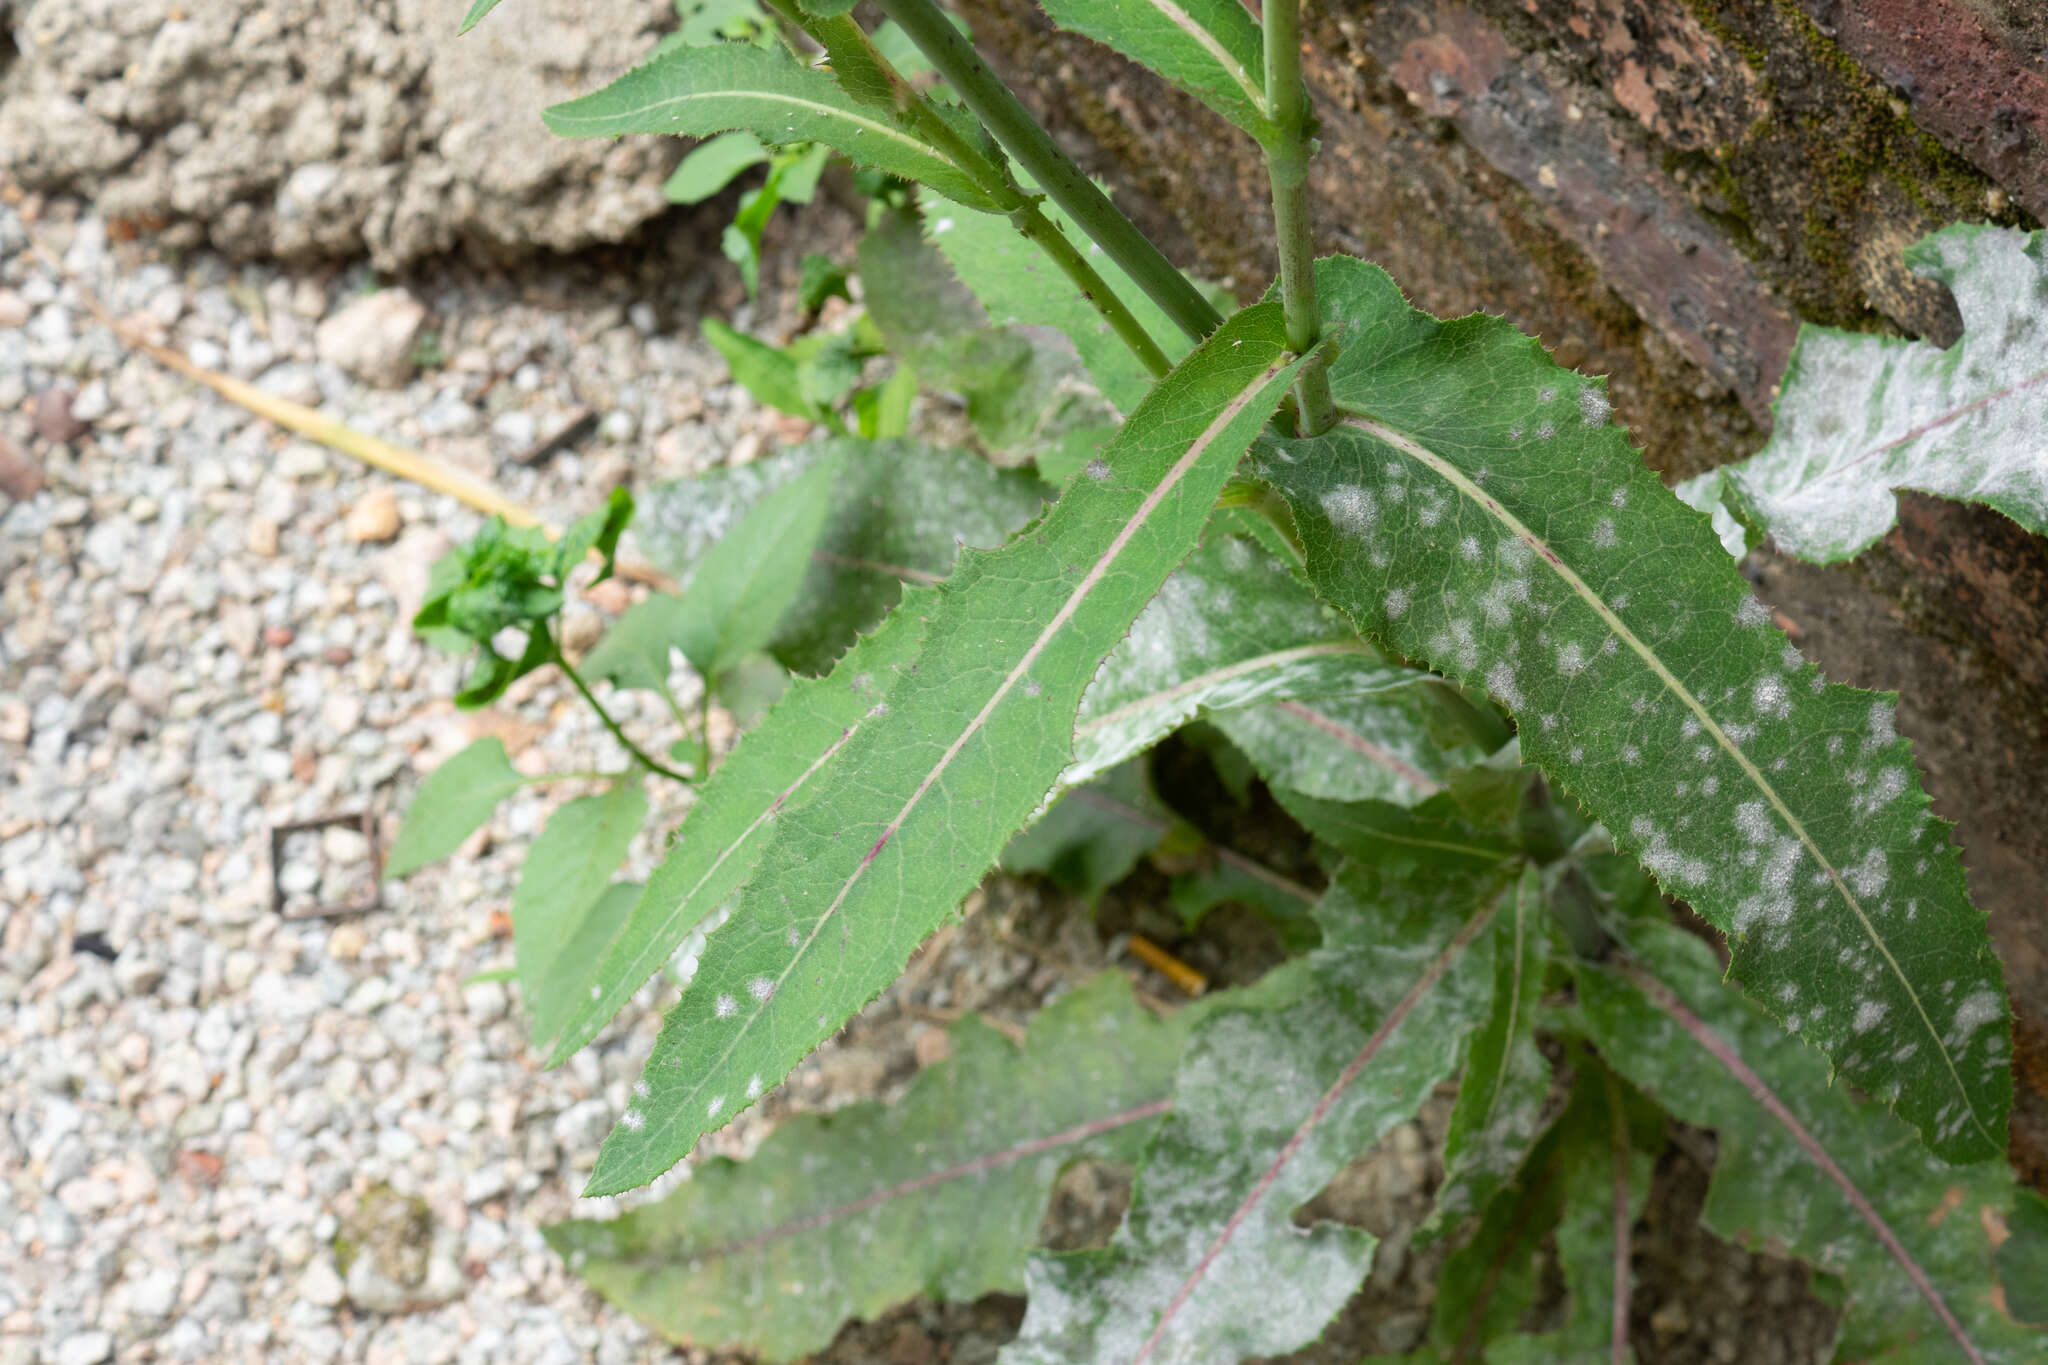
[1406, 571]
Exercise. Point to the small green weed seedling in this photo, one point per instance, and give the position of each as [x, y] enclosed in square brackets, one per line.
[1410, 575]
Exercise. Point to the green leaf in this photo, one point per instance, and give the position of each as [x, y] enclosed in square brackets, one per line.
[1093, 836]
[767, 372]
[1268, 1105]
[900, 515]
[917, 798]
[698, 91]
[1017, 285]
[1499, 1114]
[1018, 388]
[751, 687]
[1804, 1168]
[1374, 747]
[735, 817]
[475, 15]
[1212, 49]
[636, 651]
[1860, 417]
[594, 533]
[1484, 518]
[453, 804]
[823, 278]
[711, 166]
[939, 1193]
[715, 21]
[1432, 831]
[2023, 1260]
[1562, 1199]
[1233, 628]
[564, 909]
[753, 573]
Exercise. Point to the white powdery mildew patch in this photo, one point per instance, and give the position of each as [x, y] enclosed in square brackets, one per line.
[1351, 509]
[1396, 603]
[1889, 787]
[1869, 1014]
[633, 1119]
[1469, 547]
[1500, 680]
[711, 1109]
[1458, 639]
[725, 1007]
[1977, 1010]
[1870, 876]
[1594, 408]
[1605, 536]
[761, 988]
[1770, 698]
[1571, 659]
[1499, 601]
[1883, 726]
[753, 1087]
[1752, 613]
[1670, 865]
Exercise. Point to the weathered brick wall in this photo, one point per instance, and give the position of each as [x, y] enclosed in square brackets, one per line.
[1663, 190]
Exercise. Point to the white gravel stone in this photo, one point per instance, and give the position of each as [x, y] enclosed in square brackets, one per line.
[321, 1284]
[87, 1348]
[373, 337]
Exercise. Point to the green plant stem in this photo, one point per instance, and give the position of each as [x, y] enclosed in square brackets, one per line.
[639, 755]
[849, 46]
[1287, 151]
[710, 760]
[1011, 123]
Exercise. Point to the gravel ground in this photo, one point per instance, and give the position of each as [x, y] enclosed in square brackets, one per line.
[203, 636]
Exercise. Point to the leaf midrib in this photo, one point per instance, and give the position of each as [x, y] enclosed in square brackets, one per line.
[959, 1170]
[1444, 469]
[563, 123]
[1210, 43]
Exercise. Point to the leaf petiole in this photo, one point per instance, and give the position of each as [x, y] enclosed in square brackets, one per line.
[639, 755]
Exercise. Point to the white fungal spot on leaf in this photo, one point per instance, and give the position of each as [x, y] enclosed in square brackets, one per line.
[725, 1007]
[1351, 509]
[1870, 1014]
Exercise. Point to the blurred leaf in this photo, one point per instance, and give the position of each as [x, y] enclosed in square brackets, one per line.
[635, 652]
[563, 910]
[1375, 746]
[939, 1193]
[453, 804]
[477, 10]
[900, 514]
[1094, 835]
[711, 166]
[767, 372]
[751, 686]
[752, 574]
[823, 278]
[2023, 1259]
[1499, 1113]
